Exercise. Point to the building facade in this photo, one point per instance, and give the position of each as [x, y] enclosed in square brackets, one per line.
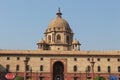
[59, 57]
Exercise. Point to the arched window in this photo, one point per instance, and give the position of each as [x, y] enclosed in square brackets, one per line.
[118, 68]
[49, 38]
[75, 68]
[58, 38]
[109, 69]
[67, 39]
[41, 67]
[99, 69]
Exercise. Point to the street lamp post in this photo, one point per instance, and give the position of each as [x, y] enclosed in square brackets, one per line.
[80, 75]
[109, 75]
[31, 72]
[25, 62]
[86, 71]
[92, 66]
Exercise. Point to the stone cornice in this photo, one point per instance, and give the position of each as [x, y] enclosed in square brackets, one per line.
[60, 53]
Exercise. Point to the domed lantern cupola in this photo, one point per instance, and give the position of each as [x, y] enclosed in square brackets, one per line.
[42, 45]
[76, 45]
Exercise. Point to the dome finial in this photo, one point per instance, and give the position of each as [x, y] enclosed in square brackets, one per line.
[59, 10]
[59, 13]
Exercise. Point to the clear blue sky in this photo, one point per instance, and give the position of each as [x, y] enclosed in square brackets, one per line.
[96, 23]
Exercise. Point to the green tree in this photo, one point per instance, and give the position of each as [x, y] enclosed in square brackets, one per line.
[19, 78]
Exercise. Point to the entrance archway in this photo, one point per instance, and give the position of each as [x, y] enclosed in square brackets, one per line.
[58, 70]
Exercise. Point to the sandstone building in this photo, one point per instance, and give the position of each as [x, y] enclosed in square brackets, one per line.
[59, 57]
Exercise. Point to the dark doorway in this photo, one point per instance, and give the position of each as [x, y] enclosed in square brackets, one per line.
[58, 70]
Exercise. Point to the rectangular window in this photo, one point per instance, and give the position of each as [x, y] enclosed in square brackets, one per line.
[41, 78]
[27, 77]
[8, 58]
[109, 69]
[88, 69]
[75, 68]
[75, 59]
[7, 68]
[17, 67]
[118, 68]
[18, 58]
[118, 60]
[98, 59]
[99, 69]
[108, 59]
[41, 58]
[88, 59]
[41, 67]
[75, 78]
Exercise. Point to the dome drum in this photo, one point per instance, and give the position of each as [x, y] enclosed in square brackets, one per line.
[61, 29]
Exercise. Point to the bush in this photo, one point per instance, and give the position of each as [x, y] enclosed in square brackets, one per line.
[19, 78]
[99, 78]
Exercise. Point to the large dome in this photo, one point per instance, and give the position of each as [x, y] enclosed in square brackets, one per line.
[59, 23]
